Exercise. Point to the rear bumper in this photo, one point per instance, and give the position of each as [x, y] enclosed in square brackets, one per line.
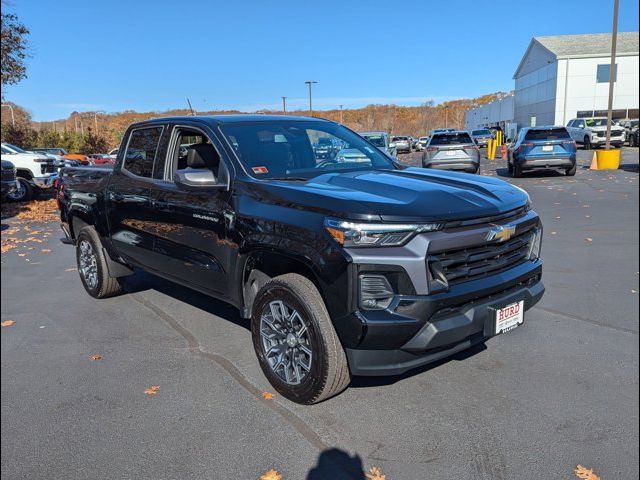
[535, 163]
[440, 324]
[453, 164]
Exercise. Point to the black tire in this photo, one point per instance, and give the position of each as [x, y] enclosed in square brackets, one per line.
[572, 171]
[103, 285]
[327, 373]
[24, 193]
[517, 170]
[509, 167]
[586, 144]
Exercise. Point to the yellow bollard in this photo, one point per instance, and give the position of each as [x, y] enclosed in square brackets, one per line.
[490, 149]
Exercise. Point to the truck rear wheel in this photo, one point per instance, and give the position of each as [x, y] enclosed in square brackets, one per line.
[92, 266]
[297, 347]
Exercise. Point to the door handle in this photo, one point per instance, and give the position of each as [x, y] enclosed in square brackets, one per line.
[116, 197]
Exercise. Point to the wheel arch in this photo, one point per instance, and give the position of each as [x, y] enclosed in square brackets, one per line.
[261, 266]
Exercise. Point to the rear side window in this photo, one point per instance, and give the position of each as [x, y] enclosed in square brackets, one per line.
[548, 134]
[451, 139]
[141, 151]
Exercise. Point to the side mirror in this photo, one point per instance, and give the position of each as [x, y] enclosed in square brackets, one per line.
[197, 179]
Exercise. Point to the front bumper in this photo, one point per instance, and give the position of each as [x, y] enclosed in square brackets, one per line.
[44, 182]
[448, 331]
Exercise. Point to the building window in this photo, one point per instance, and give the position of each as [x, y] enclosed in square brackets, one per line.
[602, 75]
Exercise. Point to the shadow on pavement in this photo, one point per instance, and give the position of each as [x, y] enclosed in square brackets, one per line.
[336, 464]
[503, 172]
[141, 281]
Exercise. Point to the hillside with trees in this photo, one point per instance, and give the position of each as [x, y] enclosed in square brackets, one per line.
[96, 132]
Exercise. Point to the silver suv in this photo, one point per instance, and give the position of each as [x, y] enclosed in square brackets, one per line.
[452, 151]
[402, 144]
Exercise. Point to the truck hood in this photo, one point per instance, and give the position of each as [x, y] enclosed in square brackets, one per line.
[412, 194]
[604, 128]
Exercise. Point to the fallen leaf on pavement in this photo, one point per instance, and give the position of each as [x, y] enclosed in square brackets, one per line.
[267, 395]
[585, 474]
[553, 233]
[45, 250]
[152, 390]
[71, 270]
[589, 239]
[374, 473]
[7, 323]
[271, 475]
[634, 291]
[96, 357]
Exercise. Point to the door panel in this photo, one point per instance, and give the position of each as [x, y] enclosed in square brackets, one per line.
[190, 229]
[129, 213]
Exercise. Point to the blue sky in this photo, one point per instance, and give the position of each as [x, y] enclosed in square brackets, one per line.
[151, 55]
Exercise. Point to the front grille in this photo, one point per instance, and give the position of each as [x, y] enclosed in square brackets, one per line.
[47, 167]
[614, 133]
[462, 265]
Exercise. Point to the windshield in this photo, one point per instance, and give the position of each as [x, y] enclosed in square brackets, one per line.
[285, 149]
[14, 148]
[547, 134]
[451, 139]
[596, 122]
[477, 133]
[377, 140]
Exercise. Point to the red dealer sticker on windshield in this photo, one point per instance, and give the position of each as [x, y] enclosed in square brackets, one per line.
[259, 170]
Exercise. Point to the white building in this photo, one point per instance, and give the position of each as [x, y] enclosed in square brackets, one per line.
[498, 113]
[567, 76]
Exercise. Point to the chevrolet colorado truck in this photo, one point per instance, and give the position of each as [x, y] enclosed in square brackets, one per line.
[343, 267]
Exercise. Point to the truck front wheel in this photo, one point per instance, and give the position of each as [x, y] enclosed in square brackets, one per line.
[92, 266]
[23, 191]
[297, 347]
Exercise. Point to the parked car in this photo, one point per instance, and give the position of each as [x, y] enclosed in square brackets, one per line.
[402, 144]
[422, 143]
[100, 159]
[442, 130]
[326, 148]
[454, 150]
[629, 125]
[353, 268]
[61, 152]
[380, 140]
[9, 179]
[35, 172]
[592, 132]
[632, 136]
[542, 148]
[414, 142]
[481, 136]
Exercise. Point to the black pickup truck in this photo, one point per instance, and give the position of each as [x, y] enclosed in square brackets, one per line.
[345, 267]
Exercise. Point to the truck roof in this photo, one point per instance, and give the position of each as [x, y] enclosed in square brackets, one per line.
[215, 120]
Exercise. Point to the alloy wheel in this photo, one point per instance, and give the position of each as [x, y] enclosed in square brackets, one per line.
[88, 264]
[286, 342]
[19, 193]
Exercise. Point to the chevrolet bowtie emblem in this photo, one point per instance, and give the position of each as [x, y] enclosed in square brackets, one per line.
[501, 233]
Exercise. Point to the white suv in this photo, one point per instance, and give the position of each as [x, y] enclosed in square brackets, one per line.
[592, 131]
[34, 171]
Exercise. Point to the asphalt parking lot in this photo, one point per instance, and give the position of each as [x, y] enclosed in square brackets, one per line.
[559, 391]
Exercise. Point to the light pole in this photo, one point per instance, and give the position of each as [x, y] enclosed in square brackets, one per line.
[341, 114]
[309, 83]
[13, 119]
[612, 72]
[284, 105]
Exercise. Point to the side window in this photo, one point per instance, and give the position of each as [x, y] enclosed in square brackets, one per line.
[194, 150]
[570, 124]
[141, 151]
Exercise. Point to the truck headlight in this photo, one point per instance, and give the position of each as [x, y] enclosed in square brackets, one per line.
[536, 244]
[352, 234]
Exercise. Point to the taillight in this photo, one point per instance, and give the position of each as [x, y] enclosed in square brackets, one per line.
[569, 142]
[432, 149]
[470, 147]
[525, 145]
